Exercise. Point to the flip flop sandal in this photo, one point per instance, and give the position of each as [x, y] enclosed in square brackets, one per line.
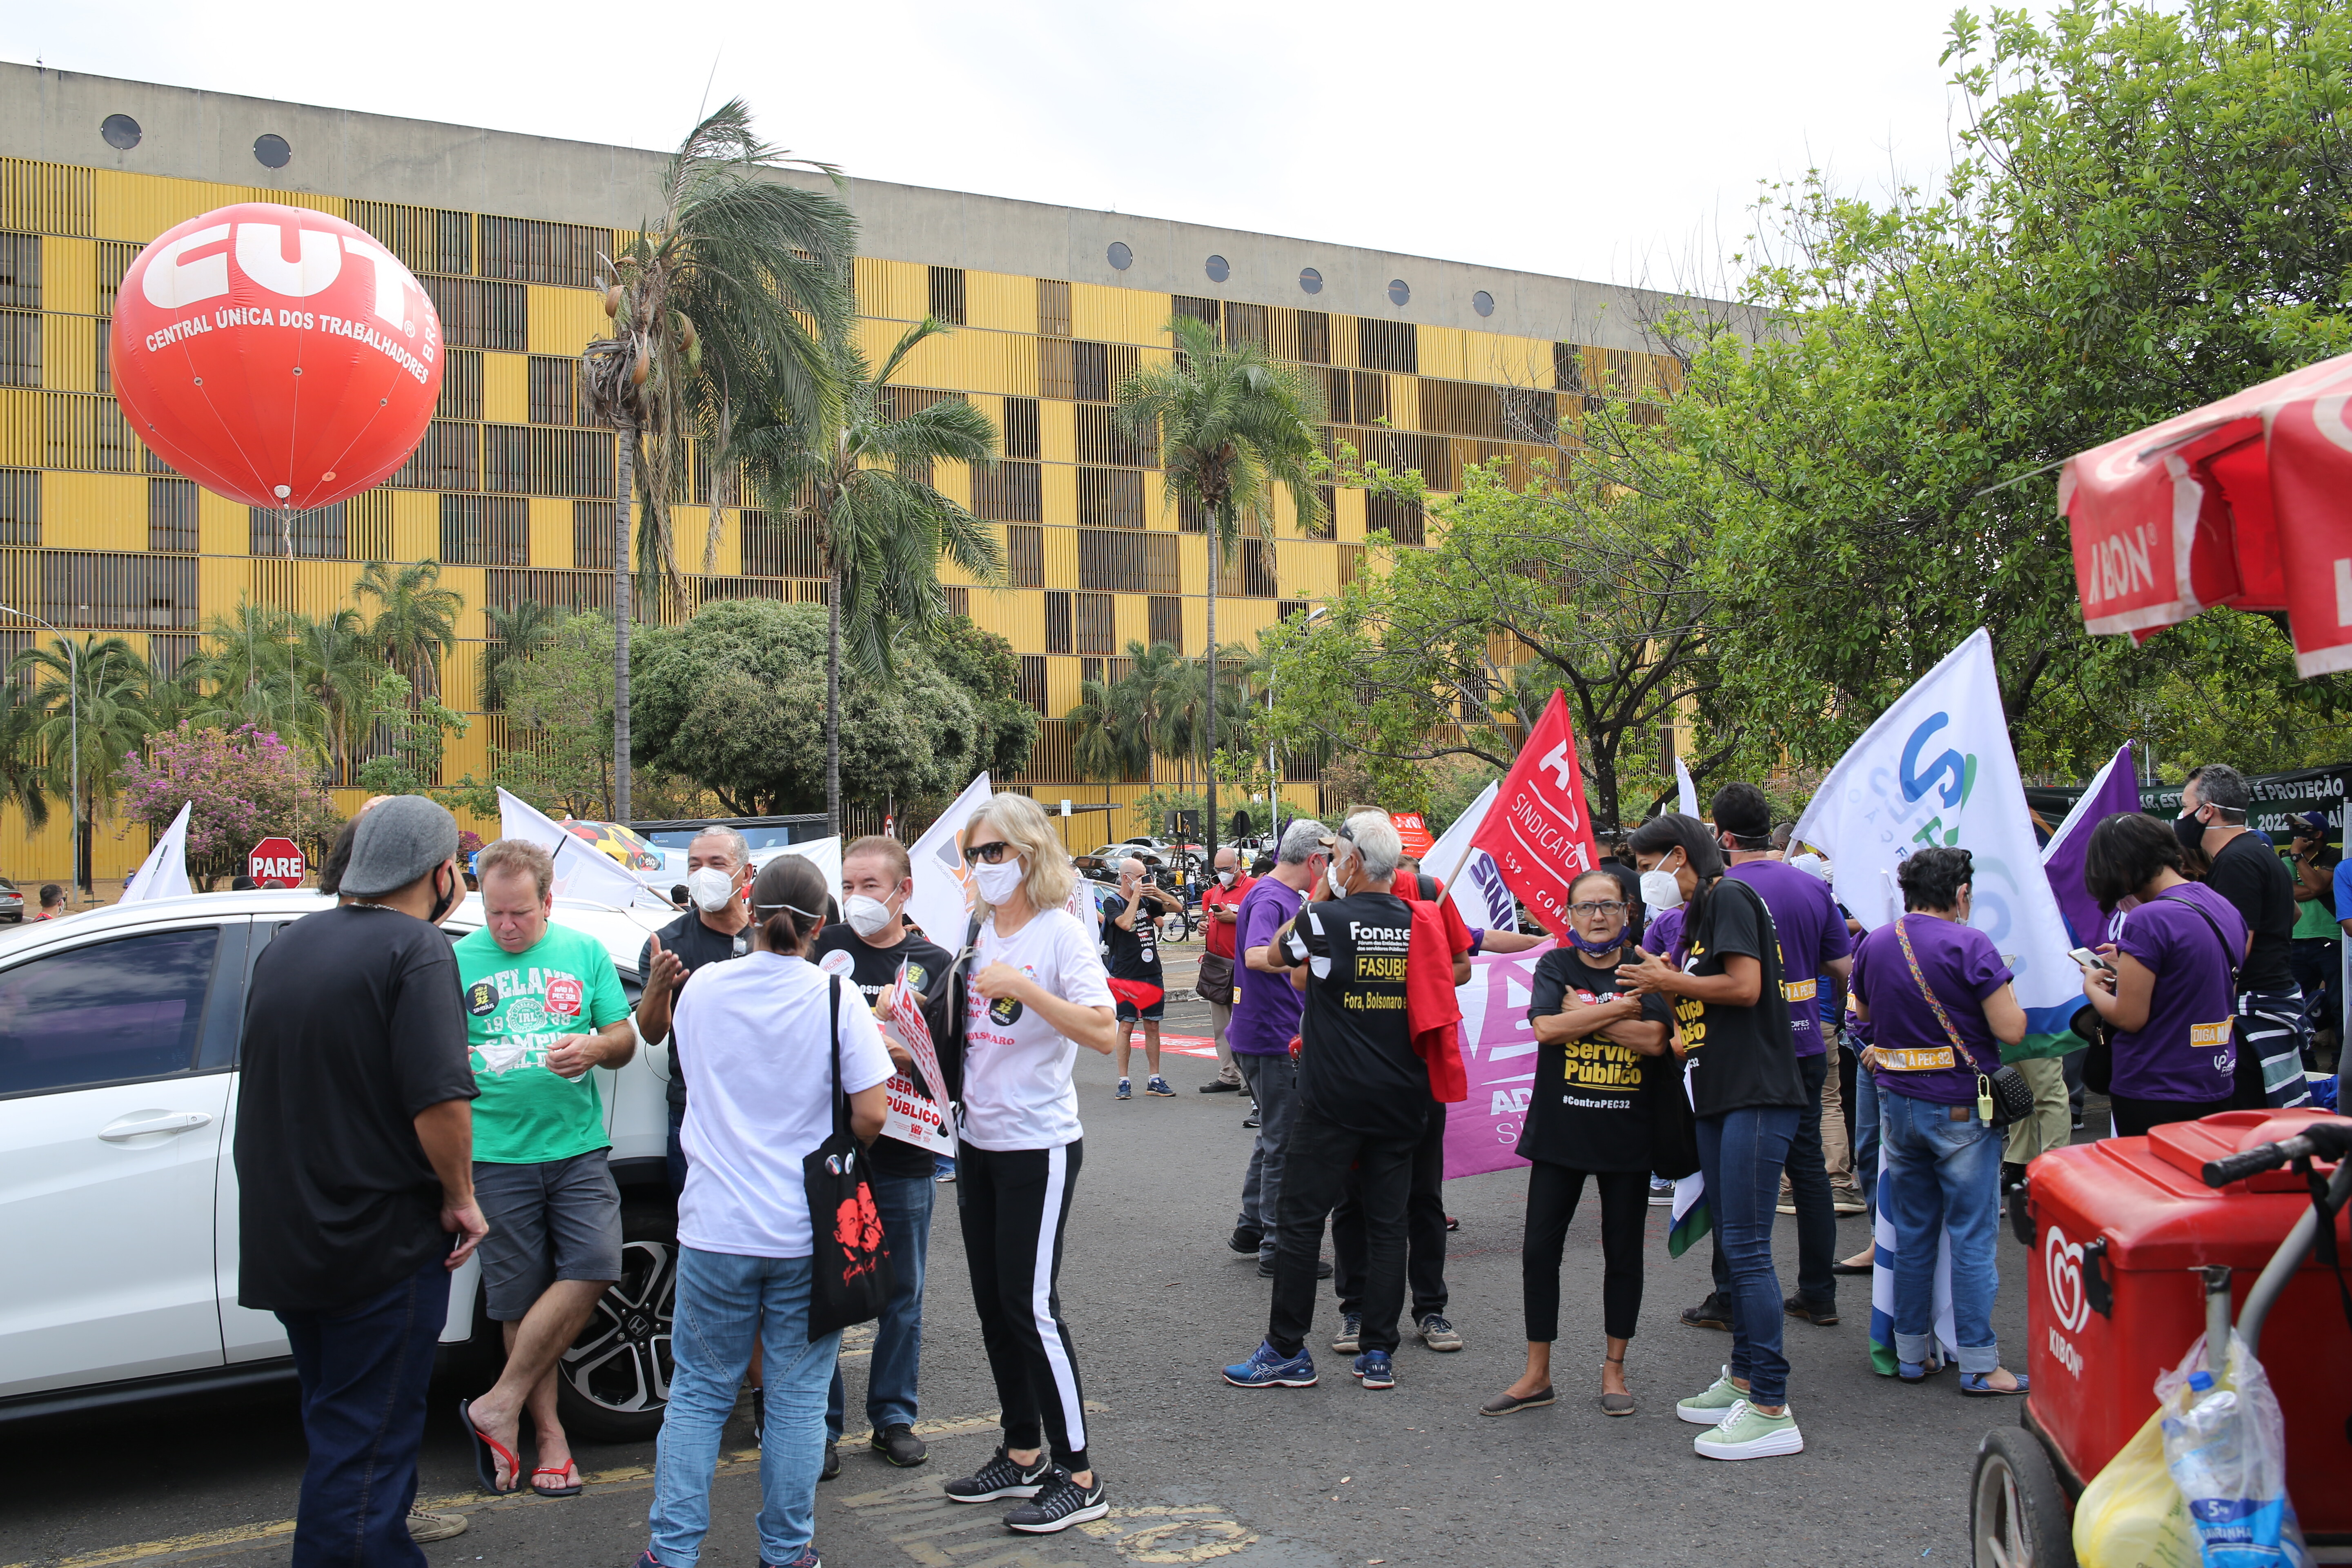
[1978, 1386]
[488, 1450]
[559, 1472]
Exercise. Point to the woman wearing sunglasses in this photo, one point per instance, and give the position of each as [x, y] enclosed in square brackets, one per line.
[1036, 993]
[1597, 1076]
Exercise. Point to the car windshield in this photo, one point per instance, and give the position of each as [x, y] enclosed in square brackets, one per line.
[778, 836]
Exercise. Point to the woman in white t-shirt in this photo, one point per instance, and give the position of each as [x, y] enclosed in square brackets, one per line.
[759, 1034]
[1036, 994]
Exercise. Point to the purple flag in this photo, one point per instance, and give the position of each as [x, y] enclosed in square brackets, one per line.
[2115, 789]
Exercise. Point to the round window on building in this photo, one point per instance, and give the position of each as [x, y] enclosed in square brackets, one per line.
[1483, 302]
[1120, 257]
[1399, 291]
[1218, 269]
[271, 152]
[1309, 280]
[122, 132]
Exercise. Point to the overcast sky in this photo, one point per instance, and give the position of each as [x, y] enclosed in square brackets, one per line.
[1617, 143]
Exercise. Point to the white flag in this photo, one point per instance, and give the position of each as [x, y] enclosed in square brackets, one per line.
[165, 873]
[940, 903]
[1473, 883]
[581, 870]
[1685, 791]
[1937, 769]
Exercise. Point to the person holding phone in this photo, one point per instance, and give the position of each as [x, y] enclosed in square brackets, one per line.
[1131, 942]
[2170, 987]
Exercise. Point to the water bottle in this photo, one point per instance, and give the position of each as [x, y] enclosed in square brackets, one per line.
[2235, 1494]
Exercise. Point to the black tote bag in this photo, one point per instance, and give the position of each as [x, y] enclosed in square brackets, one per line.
[849, 1268]
[1674, 1127]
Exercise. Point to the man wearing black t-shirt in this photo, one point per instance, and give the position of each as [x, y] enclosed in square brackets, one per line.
[354, 1165]
[2271, 1026]
[1362, 1103]
[716, 930]
[1130, 933]
[876, 951]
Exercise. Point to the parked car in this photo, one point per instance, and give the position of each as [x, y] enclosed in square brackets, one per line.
[12, 903]
[119, 1045]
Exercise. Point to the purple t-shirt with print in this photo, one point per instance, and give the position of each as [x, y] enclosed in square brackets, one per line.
[1812, 935]
[1963, 968]
[2186, 1051]
[1265, 1007]
[1663, 934]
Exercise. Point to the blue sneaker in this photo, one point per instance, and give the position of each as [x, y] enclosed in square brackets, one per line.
[1126, 1090]
[1269, 1368]
[1373, 1371]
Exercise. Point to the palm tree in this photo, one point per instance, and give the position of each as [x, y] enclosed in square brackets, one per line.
[1233, 427]
[1143, 701]
[113, 722]
[1100, 744]
[515, 636]
[23, 774]
[1189, 720]
[415, 620]
[859, 480]
[249, 671]
[337, 665]
[762, 266]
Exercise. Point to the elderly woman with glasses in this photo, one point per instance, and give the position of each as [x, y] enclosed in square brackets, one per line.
[1602, 1063]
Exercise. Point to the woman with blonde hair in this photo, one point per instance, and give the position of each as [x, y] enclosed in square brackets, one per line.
[1034, 991]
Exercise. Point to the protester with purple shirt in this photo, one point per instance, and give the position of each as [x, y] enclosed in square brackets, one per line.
[1937, 999]
[1264, 1020]
[2172, 993]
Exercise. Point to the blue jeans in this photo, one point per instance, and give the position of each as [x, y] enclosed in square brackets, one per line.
[363, 1372]
[1943, 1175]
[1273, 1083]
[722, 1301]
[904, 1203]
[1865, 1139]
[1741, 1153]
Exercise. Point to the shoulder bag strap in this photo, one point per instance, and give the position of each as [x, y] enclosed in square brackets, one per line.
[2212, 925]
[1927, 991]
[840, 1107]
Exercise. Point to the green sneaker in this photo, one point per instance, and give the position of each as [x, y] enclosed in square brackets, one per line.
[1707, 1409]
[1747, 1433]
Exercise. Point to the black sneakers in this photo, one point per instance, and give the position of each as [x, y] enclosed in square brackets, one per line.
[1000, 1478]
[898, 1444]
[1246, 1241]
[1060, 1503]
[832, 1462]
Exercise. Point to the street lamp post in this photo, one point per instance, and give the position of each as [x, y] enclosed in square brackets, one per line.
[73, 701]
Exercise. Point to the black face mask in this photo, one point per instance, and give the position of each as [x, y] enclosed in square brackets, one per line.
[2190, 831]
[443, 902]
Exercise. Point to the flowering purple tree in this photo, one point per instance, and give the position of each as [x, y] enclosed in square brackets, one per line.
[243, 785]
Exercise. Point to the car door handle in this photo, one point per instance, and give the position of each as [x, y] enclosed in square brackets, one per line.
[170, 1121]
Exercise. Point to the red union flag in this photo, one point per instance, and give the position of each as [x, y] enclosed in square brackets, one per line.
[1538, 829]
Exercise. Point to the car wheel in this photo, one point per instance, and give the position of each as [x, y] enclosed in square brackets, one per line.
[2018, 1514]
[612, 1385]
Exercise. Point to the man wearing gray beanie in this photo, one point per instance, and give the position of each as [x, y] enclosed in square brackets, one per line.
[354, 1165]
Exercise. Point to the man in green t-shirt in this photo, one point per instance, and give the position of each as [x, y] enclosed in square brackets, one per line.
[544, 1004]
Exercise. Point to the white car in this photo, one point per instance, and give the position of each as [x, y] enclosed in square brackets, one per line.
[118, 1035]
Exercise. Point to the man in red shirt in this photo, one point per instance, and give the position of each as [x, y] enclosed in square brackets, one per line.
[1220, 902]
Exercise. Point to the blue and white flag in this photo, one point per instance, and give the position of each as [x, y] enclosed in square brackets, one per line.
[1472, 879]
[1936, 770]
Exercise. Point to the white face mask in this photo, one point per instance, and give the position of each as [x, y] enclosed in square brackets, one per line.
[1661, 892]
[711, 888]
[866, 915]
[1224, 879]
[1332, 876]
[997, 882]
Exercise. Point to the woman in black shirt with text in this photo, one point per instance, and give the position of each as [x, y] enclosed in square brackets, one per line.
[1731, 1020]
[1597, 1075]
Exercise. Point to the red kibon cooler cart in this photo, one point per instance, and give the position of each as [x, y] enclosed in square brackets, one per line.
[2133, 1254]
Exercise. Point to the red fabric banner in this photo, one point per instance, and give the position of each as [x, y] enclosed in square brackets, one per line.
[1538, 830]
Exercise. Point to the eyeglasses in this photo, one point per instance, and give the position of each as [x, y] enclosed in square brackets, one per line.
[1607, 907]
[990, 854]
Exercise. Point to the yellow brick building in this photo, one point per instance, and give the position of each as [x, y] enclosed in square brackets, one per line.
[1424, 363]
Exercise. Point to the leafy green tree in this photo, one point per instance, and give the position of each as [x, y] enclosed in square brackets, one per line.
[985, 665]
[415, 619]
[731, 293]
[515, 635]
[858, 474]
[1233, 427]
[733, 700]
[112, 721]
[559, 719]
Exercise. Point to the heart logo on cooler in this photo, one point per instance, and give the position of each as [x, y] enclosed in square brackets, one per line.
[2062, 1261]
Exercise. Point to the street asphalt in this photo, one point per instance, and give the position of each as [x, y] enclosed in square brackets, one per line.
[1197, 1470]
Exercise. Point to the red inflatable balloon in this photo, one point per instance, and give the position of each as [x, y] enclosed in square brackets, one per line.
[275, 355]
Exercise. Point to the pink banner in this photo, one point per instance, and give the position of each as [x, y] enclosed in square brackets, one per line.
[1499, 1056]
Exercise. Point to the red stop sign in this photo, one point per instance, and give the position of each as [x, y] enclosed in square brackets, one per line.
[276, 863]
